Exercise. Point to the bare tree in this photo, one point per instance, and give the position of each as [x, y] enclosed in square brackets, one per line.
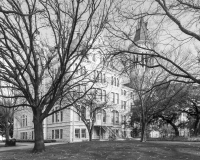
[153, 94]
[93, 102]
[40, 53]
[173, 28]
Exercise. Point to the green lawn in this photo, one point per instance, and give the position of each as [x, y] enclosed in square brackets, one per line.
[121, 150]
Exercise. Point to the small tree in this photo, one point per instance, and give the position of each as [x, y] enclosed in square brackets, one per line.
[190, 106]
[153, 95]
[6, 123]
[6, 114]
[92, 103]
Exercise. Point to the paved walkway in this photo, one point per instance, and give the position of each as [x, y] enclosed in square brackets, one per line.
[23, 146]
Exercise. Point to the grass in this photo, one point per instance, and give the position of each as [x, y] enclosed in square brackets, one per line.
[118, 150]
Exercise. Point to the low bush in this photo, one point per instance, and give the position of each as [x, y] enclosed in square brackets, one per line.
[181, 139]
[10, 142]
[30, 140]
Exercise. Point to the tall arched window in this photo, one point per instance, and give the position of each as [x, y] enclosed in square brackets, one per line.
[83, 112]
[104, 115]
[116, 117]
[23, 121]
[113, 117]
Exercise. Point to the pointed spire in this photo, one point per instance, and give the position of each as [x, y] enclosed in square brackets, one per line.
[141, 31]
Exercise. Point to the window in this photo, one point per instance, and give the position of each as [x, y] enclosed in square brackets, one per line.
[77, 133]
[131, 106]
[104, 78]
[122, 104]
[26, 121]
[52, 136]
[83, 133]
[113, 97]
[61, 116]
[57, 116]
[57, 134]
[83, 112]
[23, 121]
[23, 135]
[104, 115]
[100, 94]
[32, 134]
[53, 116]
[117, 96]
[113, 116]
[125, 105]
[117, 82]
[116, 117]
[112, 80]
[61, 133]
[104, 95]
[100, 77]
[124, 92]
[122, 119]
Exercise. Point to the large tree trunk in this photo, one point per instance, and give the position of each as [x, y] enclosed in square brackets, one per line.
[90, 135]
[39, 137]
[196, 126]
[7, 131]
[90, 132]
[144, 132]
[175, 129]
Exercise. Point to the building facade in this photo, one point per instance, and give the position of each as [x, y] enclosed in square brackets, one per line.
[67, 125]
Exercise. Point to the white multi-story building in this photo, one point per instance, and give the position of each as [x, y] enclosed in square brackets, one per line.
[66, 125]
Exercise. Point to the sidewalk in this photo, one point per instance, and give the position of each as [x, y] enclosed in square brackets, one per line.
[24, 145]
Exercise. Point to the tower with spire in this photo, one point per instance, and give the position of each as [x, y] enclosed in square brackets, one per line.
[141, 32]
[141, 42]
